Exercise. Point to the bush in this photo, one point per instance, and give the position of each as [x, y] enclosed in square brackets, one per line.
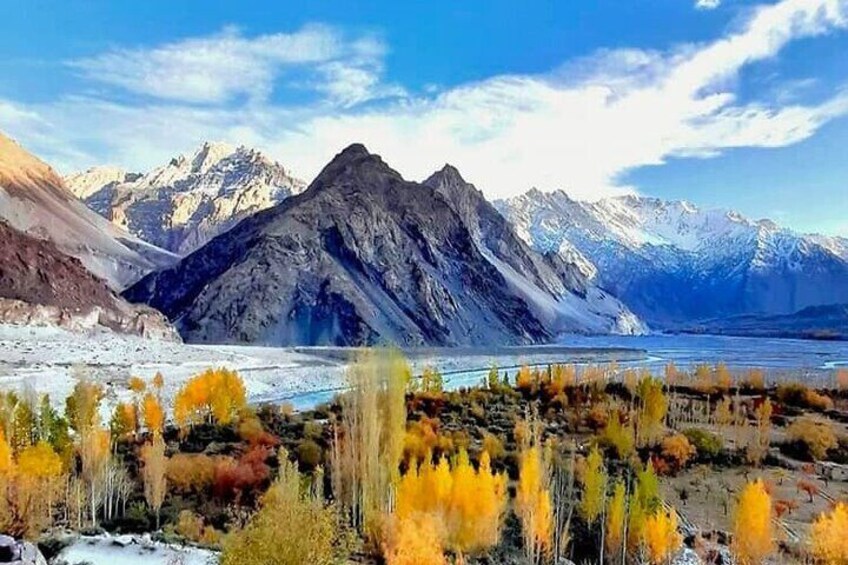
[243, 477]
[815, 434]
[188, 472]
[193, 528]
[707, 445]
[677, 450]
[801, 396]
[309, 455]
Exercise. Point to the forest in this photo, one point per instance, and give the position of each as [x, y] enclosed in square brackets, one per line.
[561, 464]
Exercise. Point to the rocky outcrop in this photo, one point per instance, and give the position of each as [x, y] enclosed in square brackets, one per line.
[40, 285]
[185, 203]
[364, 256]
[34, 200]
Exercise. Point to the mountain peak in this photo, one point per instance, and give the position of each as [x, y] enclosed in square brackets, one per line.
[447, 176]
[210, 153]
[21, 170]
[353, 151]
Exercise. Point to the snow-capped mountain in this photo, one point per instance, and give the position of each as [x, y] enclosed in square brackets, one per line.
[364, 256]
[672, 262]
[185, 203]
[35, 201]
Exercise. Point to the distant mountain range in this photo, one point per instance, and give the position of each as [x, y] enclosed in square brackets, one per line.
[828, 322]
[365, 256]
[233, 248]
[674, 263]
[188, 201]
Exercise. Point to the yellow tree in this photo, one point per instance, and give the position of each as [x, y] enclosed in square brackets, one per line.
[616, 518]
[467, 504]
[154, 416]
[644, 502]
[594, 486]
[533, 503]
[415, 540]
[829, 536]
[153, 474]
[652, 410]
[39, 469]
[661, 538]
[292, 527]
[753, 537]
[214, 395]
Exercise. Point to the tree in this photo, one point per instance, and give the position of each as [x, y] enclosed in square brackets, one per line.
[533, 503]
[465, 503]
[594, 486]
[154, 416]
[216, 395]
[618, 436]
[368, 446]
[123, 421]
[291, 528]
[653, 406]
[524, 381]
[415, 541]
[39, 469]
[82, 408]
[153, 474]
[829, 536]
[759, 444]
[661, 538]
[616, 519]
[753, 538]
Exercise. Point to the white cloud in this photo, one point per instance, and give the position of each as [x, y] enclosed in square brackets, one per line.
[218, 68]
[581, 127]
[707, 4]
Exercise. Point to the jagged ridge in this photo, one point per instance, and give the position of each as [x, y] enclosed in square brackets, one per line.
[364, 256]
[183, 204]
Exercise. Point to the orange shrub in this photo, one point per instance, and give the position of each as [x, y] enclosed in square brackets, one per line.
[189, 472]
[815, 433]
[801, 396]
[677, 450]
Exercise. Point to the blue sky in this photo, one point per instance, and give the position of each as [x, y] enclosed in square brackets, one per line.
[721, 102]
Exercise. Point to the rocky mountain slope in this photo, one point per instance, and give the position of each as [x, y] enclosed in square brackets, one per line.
[41, 285]
[672, 262]
[34, 199]
[364, 256]
[185, 203]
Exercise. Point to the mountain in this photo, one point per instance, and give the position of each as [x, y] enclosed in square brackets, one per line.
[35, 200]
[673, 262]
[185, 203]
[828, 322]
[41, 285]
[364, 256]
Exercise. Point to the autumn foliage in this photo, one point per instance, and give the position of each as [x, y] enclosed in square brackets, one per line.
[215, 395]
[533, 502]
[661, 538]
[829, 536]
[465, 503]
[753, 536]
